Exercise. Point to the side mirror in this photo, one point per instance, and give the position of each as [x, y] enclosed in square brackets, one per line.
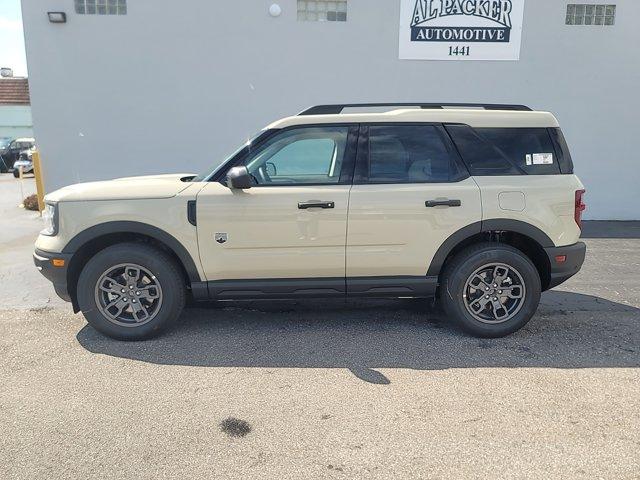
[239, 178]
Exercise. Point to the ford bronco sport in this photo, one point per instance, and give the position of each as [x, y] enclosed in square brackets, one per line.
[476, 205]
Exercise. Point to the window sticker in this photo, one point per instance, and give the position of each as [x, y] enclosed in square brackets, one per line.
[541, 159]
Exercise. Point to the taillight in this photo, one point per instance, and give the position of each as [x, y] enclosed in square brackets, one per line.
[580, 207]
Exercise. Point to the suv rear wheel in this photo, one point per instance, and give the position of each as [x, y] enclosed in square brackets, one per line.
[490, 290]
[131, 291]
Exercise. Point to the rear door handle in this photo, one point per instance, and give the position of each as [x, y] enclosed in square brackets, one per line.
[315, 204]
[443, 203]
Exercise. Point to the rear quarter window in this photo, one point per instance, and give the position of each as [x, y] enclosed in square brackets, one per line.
[481, 158]
[506, 151]
[527, 148]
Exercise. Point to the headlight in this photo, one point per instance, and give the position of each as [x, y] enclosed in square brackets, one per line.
[50, 219]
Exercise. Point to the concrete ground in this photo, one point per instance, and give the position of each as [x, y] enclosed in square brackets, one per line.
[319, 389]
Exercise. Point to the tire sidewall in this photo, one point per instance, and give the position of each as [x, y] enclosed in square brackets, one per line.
[456, 280]
[156, 262]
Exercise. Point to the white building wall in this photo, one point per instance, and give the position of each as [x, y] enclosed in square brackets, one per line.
[174, 86]
[15, 121]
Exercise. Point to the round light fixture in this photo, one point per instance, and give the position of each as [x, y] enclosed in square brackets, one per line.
[275, 10]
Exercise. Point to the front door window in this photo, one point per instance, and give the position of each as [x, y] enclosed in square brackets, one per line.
[301, 156]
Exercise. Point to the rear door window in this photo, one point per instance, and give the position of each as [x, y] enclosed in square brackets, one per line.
[409, 154]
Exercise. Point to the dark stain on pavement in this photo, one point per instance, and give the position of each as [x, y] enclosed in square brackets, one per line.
[235, 427]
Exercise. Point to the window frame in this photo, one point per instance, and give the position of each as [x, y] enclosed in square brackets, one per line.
[346, 169]
[361, 174]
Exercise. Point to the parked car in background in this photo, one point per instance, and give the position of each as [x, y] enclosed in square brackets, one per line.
[4, 144]
[25, 160]
[11, 152]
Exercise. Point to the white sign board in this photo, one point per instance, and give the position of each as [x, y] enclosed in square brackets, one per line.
[461, 29]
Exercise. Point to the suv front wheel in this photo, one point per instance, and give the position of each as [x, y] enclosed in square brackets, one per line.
[490, 290]
[131, 291]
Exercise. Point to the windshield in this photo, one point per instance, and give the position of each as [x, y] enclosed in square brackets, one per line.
[204, 176]
[4, 142]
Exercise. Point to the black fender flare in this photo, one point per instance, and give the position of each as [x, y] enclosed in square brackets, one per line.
[156, 233]
[491, 225]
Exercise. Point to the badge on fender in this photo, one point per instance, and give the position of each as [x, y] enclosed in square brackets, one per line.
[220, 237]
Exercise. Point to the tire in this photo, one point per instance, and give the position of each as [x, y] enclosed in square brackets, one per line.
[158, 289]
[480, 314]
[16, 173]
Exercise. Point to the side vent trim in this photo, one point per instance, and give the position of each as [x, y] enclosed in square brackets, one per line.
[191, 212]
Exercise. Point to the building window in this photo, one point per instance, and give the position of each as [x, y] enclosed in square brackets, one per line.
[101, 7]
[322, 11]
[589, 14]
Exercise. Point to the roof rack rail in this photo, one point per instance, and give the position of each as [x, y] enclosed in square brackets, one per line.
[338, 108]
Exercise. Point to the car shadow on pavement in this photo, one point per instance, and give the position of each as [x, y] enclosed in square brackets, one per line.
[569, 331]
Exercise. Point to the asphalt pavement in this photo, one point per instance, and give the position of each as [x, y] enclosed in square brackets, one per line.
[322, 389]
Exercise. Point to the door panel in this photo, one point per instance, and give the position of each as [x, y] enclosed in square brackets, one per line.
[411, 194]
[291, 224]
[268, 236]
[391, 231]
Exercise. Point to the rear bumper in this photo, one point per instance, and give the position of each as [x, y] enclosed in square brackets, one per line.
[561, 271]
[56, 275]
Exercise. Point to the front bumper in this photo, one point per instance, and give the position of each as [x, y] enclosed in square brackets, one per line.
[561, 271]
[56, 275]
[26, 167]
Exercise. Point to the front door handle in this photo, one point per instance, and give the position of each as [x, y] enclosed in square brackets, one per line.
[315, 204]
[443, 203]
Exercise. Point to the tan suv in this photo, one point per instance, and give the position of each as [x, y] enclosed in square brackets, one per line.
[475, 204]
